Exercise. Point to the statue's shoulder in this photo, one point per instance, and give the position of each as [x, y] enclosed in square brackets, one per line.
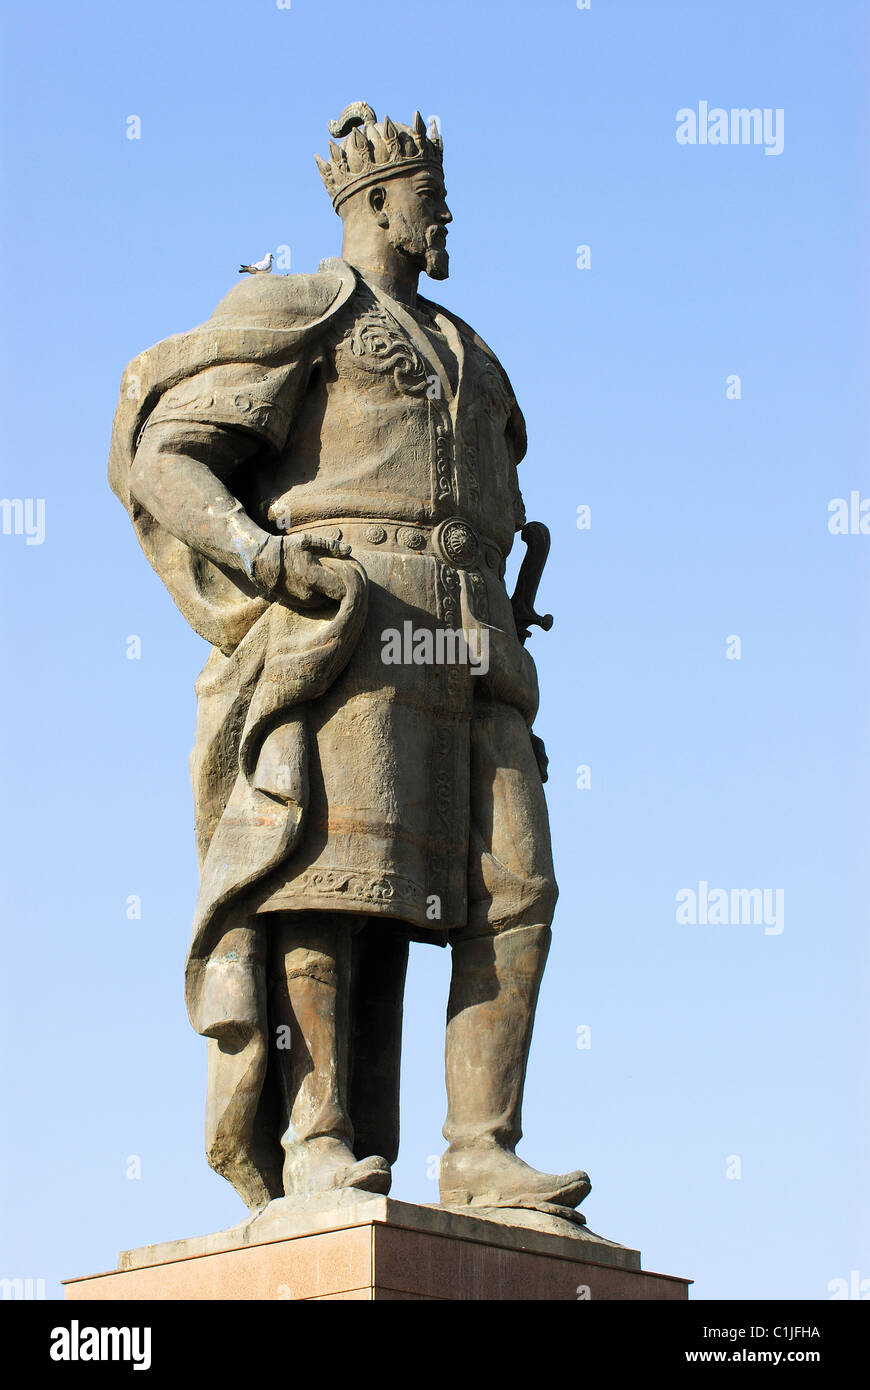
[464, 328]
[287, 301]
[516, 424]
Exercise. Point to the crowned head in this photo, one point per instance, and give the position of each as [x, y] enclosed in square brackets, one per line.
[386, 182]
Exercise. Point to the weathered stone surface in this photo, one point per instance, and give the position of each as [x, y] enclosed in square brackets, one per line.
[343, 1211]
[324, 475]
[374, 1248]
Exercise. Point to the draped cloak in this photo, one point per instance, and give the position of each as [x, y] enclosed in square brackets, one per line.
[275, 658]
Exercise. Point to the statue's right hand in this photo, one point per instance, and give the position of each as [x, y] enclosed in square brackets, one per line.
[305, 579]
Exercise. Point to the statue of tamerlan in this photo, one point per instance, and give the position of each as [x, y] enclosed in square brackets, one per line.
[324, 476]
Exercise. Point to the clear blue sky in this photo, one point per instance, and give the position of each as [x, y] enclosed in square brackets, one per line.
[709, 520]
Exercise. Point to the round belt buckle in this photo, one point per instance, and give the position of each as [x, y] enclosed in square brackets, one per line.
[456, 541]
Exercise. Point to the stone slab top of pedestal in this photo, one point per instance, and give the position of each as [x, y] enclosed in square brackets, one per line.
[509, 1229]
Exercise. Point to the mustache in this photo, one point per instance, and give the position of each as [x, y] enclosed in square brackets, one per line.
[436, 237]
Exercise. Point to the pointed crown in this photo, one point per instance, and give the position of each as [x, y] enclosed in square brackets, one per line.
[375, 152]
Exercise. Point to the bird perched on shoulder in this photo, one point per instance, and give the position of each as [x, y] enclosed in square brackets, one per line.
[262, 267]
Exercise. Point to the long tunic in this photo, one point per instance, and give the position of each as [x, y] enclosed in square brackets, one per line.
[420, 480]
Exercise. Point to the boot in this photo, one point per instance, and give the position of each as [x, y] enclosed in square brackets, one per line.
[493, 993]
[310, 994]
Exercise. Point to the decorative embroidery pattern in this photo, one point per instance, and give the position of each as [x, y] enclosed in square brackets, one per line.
[443, 453]
[479, 597]
[442, 797]
[349, 883]
[381, 345]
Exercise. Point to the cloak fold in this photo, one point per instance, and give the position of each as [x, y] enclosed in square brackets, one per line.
[250, 763]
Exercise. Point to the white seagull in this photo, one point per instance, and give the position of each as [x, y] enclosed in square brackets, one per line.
[262, 267]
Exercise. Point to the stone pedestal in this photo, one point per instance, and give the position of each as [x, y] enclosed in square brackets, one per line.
[380, 1249]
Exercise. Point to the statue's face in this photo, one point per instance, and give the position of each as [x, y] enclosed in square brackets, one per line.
[417, 213]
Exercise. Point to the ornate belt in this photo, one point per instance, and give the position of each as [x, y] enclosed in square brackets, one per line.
[454, 541]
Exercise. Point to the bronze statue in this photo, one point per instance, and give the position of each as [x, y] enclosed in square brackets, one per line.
[326, 465]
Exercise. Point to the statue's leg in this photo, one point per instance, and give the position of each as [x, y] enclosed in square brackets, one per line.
[235, 1145]
[310, 997]
[380, 961]
[498, 962]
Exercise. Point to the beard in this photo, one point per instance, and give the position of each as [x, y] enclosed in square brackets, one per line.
[437, 262]
[426, 249]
